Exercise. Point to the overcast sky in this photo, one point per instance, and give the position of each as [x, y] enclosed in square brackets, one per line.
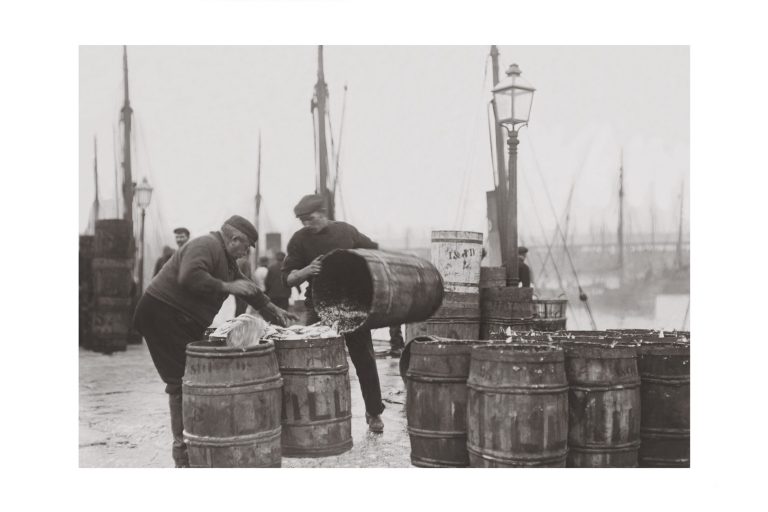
[415, 151]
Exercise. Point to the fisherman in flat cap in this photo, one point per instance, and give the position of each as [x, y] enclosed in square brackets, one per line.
[305, 250]
[183, 299]
[523, 270]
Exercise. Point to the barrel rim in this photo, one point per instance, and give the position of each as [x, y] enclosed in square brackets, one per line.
[211, 348]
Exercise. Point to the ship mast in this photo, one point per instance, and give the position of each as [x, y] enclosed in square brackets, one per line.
[321, 96]
[258, 201]
[95, 184]
[125, 116]
[501, 165]
[621, 217]
[679, 250]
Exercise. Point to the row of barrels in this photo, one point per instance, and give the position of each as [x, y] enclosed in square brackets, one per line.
[607, 399]
[250, 408]
[107, 290]
[487, 312]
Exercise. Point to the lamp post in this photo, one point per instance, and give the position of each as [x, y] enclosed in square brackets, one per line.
[143, 197]
[513, 108]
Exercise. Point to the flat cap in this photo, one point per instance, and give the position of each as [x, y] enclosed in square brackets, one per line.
[181, 231]
[309, 204]
[245, 227]
[522, 250]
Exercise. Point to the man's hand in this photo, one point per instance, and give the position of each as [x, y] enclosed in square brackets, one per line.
[242, 287]
[314, 268]
[279, 315]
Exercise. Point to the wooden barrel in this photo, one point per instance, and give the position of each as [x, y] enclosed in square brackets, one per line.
[505, 307]
[110, 324]
[436, 407]
[603, 405]
[493, 277]
[114, 239]
[457, 255]
[458, 318]
[665, 405]
[517, 406]
[317, 412]
[112, 277]
[231, 406]
[391, 288]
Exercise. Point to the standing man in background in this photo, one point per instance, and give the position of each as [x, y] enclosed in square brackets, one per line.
[306, 248]
[182, 236]
[274, 287]
[523, 270]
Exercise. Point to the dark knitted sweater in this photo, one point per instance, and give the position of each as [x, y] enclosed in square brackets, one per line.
[305, 246]
[191, 280]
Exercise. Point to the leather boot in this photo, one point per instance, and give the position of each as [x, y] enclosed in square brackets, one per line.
[177, 428]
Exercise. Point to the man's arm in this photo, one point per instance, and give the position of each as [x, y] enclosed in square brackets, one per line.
[361, 241]
[295, 269]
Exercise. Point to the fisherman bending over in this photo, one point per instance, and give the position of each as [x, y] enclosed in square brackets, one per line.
[183, 299]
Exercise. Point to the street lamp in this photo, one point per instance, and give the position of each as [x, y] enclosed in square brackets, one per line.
[143, 197]
[513, 102]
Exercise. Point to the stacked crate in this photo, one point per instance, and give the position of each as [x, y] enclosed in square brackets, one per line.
[112, 285]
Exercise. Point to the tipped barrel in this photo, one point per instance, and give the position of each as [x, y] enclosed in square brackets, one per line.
[375, 289]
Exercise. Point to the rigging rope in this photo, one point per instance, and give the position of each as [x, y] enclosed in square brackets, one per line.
[471, 156]
[582, 296]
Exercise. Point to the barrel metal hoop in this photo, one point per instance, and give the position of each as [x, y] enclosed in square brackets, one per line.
[312, 451]
[229, 389]
[521, 390]
[339, 370]
[437, 434]
[605, 387]
[531, 460]
[457, 240]
[665, 433]
[339, 419]
[231, 355]
[666, 379]
[427, 462]
[601, 448]
[422, 377]
[661, 462]
[267, 435]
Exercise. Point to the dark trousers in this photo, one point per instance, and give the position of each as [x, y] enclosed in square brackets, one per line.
[167, 332]
[360, 348]
[396, 337]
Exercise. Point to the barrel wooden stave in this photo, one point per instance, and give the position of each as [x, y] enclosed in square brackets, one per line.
[316, 415]
[457, 318]
[437, 402]
[505, 307]
[231, 406]
[604, 405]
[665, 405]
[493, 277]
[518, 406]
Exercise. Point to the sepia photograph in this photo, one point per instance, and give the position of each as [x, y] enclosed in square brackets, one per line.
[417, 256]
